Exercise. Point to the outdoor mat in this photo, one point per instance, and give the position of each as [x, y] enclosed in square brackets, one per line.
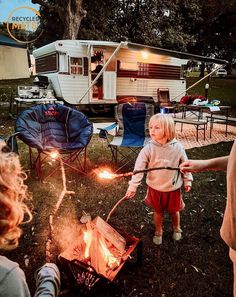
[188, 136]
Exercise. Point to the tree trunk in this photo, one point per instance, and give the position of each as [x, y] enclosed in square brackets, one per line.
[71, 27]
[70, 13]
[71, 18]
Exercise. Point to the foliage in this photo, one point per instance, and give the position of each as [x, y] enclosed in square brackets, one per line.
[216, 33]
[197, 26]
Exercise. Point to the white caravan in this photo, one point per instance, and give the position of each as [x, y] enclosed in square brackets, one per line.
[128, 70]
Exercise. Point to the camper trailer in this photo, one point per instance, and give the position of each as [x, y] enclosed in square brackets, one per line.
[89, 72]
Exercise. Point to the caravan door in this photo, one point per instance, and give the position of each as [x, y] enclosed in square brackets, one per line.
[109, 78]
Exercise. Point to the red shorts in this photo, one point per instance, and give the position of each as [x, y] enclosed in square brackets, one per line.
[160, 201]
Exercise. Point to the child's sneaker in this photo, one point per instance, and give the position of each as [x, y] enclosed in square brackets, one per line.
[157, 239]
[177, 235]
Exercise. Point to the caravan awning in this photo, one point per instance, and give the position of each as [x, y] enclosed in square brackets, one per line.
[176, 54]
[155, 50]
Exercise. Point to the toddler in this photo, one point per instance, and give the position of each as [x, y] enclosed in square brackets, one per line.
[164, 186]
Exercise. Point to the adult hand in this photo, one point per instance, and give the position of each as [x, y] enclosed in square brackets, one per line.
[192, 165]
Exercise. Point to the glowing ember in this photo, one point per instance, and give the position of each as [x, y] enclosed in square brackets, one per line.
[106, 174]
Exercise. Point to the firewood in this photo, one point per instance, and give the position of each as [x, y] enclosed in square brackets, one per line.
[109, 233]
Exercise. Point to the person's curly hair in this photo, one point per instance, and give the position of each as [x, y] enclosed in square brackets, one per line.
[13, 192]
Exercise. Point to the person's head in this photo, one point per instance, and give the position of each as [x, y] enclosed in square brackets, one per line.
[162, 128]
[13, 192]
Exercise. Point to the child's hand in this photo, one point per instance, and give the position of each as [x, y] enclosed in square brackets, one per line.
[187, 189]
[130, 195]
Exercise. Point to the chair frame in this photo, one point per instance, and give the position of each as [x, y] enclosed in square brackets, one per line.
[66, 157]
[115, 152]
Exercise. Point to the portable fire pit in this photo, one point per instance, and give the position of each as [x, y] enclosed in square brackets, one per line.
[98, 254]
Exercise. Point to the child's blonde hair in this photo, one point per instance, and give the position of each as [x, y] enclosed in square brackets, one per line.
[13, 192]
[166, 122]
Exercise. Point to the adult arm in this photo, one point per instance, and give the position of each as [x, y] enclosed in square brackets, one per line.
[219, 163]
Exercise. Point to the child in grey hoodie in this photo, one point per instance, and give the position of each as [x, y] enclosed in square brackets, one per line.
[164, 187]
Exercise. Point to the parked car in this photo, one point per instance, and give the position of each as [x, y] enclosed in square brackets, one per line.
[221, 73]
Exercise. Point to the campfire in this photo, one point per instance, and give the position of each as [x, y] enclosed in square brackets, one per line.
[98, 252]
[100, 248]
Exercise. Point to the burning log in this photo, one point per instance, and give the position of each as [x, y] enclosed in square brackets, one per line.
[101, 247]
[109, 233]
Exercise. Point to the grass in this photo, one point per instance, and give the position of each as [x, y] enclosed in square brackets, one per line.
[197, 266]
[223, 89]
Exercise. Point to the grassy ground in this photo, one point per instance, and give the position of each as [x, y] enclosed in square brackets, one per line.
[223, 89]
[196, 266]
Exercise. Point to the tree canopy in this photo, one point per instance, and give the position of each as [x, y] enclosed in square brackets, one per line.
[198, 26]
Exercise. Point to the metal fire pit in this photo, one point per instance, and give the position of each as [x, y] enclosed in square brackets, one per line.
[87, 282]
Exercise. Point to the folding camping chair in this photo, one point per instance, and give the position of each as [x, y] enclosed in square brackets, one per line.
[47, 128]
[131, 131]
[163, 97]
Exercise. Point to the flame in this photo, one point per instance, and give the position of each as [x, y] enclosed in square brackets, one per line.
[106, 174]
[108, 256]
[88, 240]
[109, 259]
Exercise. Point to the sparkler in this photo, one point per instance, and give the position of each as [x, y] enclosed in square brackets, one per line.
[105, 174]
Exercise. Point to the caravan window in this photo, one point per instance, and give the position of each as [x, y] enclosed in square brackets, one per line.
[76, 66]
[47, 63]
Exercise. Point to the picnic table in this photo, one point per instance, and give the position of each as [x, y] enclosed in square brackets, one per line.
[196, 112]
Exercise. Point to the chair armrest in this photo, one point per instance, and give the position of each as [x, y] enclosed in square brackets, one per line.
[106, 130]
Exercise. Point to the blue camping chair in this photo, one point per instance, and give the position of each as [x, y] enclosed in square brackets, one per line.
[47, 128]
[131, 131]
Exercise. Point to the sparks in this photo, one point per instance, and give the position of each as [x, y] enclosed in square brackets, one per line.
[54, 155]
[105, 174]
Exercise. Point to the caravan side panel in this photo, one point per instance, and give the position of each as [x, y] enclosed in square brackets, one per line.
[148, 87]
[73, 88]
[161, 72]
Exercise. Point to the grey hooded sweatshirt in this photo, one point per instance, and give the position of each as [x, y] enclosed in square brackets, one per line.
[154, 154]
